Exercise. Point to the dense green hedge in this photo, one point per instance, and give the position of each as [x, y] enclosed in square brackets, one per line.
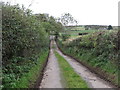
[99, 50]
[25, 38]
[23, 34]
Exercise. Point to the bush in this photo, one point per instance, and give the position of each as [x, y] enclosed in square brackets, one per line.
[23, 34]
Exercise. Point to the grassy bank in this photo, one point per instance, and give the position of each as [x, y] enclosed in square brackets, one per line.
[28, 73]
[98, 50]
[73, 80]
[29, 78]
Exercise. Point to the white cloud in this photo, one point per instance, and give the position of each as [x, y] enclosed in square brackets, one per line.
[102, 12]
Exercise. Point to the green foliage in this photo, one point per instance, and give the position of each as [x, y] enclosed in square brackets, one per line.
[29, 78]
[23, 34]
[25, 37]
[24, 75]
[99, 49]
[50, 24]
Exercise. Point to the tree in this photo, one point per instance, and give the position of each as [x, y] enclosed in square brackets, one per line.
[110, 27]
[50, 24]
[67, 19]
[42, 17]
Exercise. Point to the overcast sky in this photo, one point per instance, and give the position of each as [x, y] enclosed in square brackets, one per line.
[86, 12]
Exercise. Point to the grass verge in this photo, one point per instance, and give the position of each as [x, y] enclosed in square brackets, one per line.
[73, 80]
[28, 80]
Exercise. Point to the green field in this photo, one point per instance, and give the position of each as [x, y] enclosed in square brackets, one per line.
[75, 28]
[75, 33]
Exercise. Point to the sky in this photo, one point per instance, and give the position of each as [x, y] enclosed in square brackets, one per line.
[86, 12]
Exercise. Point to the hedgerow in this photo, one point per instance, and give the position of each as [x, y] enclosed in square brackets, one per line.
[25, 36]
[98, 50]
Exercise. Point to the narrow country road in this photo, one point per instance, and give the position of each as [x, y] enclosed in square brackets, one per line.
[52, 78]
